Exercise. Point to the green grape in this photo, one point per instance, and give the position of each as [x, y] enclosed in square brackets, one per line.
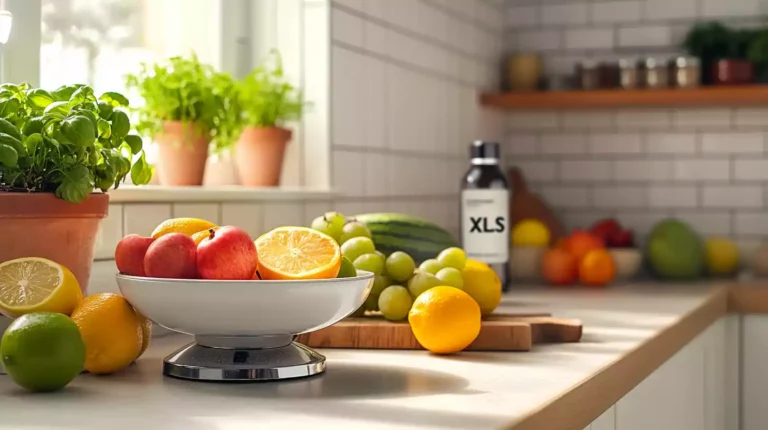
[347, 269]
[356, 247]
[420, 282]
[451, 277]
[381, 253]
[371, 263]
[431, 266]
[354, 229]
[400, 266]
[453, 257]
[331, 224]
[372, 303]
[379, 284]
[395, 302]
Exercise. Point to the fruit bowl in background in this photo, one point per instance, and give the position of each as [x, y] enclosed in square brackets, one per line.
[627, 261]
[244, 330]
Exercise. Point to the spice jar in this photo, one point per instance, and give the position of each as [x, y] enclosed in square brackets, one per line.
[629, 74]
[687, 72]
[608, 75]
[656, 74]
[587, 75]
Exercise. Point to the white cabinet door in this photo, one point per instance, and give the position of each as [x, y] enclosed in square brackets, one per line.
[606, 421]
[754, 372]
[671, 398]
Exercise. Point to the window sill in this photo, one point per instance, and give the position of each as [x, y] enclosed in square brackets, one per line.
[222, 193]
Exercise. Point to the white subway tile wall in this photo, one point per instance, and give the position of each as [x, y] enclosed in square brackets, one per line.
[707, 166]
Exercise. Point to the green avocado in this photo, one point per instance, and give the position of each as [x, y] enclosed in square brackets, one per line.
[675, 251]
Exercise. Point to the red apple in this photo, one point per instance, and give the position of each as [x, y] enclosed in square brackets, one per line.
[606, 229]
[227, 254]
[130, 252]
[623, 239]
[171, 256]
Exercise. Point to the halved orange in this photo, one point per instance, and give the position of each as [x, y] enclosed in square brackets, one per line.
[297, 253]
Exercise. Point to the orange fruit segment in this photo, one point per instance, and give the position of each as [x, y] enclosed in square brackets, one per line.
[297, 253]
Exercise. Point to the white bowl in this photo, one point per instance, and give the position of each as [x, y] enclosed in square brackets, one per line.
[627, 262]
[245, 308]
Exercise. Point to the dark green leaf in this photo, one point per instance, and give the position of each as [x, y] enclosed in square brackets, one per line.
[81, 95]
[9, 129]
[105, 109]
[76, 184]
[8, 156]
[64, 93]
[9, 107]
[116, 99]
[134, 142]
[121, 125]
[14, 143]
[105, 129]
[60, 108]
[32, 142]
[32, 126]
[79, 130]
[39, 99]
[141, 172]
[91, 116]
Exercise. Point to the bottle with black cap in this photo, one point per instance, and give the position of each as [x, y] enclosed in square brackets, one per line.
[485, 209]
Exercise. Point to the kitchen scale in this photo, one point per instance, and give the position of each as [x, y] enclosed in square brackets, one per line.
[245, 330]
[260, 358]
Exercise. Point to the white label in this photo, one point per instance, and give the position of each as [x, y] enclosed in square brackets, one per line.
[485, 225]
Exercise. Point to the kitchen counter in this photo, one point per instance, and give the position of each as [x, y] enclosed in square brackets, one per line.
[628, 332]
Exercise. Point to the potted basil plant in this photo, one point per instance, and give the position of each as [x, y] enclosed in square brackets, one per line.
[56, 148]
[187, 105]
[267, 101]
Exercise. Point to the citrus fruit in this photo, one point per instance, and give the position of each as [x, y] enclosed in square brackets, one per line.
[297, 253]
[188, 226]
[200, 235]
[445, 320]
[347, 269]
[579, 243]
[597, 268]
[559, 267]
[483, 285]
[112, 331]
[722, 256]
[42, 351]
[530, 232]
[146, 333]
[37, 285]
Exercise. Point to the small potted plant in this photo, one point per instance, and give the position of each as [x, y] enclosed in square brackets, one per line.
[56, 148]
[267, 101]
[187, 105]
[723, 53]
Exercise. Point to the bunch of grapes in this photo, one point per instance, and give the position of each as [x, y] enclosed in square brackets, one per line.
[397, 280]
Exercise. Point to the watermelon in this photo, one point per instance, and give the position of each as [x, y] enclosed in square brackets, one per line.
[419, 238]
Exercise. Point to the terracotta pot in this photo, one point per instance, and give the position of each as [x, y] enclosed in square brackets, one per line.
[183, 154]
[259, 155]
[733, 72]
[42, 225]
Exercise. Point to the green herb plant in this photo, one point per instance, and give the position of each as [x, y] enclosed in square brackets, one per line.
[266, 98]
[67, 141]
[184, 89]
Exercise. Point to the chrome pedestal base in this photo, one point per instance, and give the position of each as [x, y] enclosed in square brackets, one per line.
[264, 358]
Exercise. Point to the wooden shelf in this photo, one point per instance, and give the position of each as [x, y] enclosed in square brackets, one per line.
[697, 97]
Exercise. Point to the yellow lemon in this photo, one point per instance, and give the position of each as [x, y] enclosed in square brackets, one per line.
[530, 232]
[722, 256]
[483, 285]
[188, 226]
[112, 330]
[200, 235]
[444, 319]
[37, 285]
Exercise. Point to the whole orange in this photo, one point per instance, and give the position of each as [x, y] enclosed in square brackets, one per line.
[559, 267]
[580, 243]
[597, 268]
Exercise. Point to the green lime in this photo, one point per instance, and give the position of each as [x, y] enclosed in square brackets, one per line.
[347, 269]
[43, 351]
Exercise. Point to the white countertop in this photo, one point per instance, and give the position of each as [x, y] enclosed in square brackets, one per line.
[366, 388]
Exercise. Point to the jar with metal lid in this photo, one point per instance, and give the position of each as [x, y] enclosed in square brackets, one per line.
[587, 75]
[656, 74]
[629, 74]
[686, 72]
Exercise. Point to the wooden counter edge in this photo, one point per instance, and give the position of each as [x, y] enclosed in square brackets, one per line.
[585, 402]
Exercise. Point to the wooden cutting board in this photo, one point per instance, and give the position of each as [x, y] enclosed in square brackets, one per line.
[502, 332]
